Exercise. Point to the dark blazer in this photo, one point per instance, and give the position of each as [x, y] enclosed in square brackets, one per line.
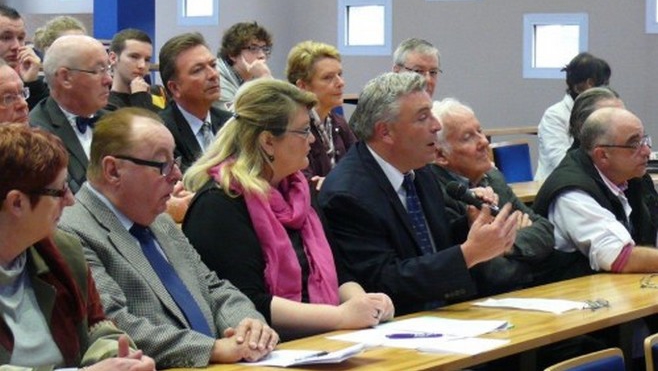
[49, 116]
[374, 237]
[186, 143]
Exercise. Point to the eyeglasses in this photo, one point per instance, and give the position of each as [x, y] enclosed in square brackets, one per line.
[101, 70]
[597, 304]
[59, 193]
[636, 145]
[433, 72]
[305, 132]
[646, 282]
[166, 168]
[267, 50]
[10, 99]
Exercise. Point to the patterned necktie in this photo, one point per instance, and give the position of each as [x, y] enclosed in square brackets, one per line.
[415, 211]
[171, 280]
[208, 137]
[84, 122]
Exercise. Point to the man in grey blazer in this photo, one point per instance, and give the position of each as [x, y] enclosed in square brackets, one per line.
[132, 172]
[78, 74]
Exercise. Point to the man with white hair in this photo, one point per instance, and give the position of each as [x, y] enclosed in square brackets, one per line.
[78, 73]
[420, 56]
[13, 95]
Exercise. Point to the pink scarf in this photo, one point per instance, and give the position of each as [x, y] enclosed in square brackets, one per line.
[290, 206]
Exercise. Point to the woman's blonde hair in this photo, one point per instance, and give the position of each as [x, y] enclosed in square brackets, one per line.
[302, 58]
[260, 105]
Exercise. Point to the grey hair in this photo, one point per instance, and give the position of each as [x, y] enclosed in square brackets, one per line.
[65, 51]
[444, 109]
[414, 45]
[586, 103]
[597, 128]
[379, 101]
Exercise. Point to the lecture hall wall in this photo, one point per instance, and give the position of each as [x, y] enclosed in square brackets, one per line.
[480, 43]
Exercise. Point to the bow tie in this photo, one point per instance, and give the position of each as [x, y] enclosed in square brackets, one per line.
[83, 122]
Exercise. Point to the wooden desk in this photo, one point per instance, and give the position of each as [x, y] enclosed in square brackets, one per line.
[531, 130]
[526, 191]
[531, 329]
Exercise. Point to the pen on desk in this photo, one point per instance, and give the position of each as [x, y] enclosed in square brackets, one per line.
[413, 335]
[312, 355]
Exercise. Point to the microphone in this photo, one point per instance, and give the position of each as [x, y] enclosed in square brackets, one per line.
[460, 192]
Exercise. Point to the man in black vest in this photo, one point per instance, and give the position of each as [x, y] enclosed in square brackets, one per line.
[600, 199]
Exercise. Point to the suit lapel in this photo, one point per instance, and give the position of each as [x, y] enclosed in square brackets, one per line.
[128, 247]
[187, 137]
[63, 129]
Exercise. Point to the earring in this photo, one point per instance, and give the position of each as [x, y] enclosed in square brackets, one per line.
[270, 157]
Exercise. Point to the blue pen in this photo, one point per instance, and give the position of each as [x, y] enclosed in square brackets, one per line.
[413, 335]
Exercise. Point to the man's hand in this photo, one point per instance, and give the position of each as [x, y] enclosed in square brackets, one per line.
[125, 360]
[139, 85]
[29, 64]
[179, 202]
[488, 239]
[251, 340]
[257, 68]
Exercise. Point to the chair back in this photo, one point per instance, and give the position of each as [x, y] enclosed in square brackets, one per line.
[611, 359]
[651, 352]
[512, 158]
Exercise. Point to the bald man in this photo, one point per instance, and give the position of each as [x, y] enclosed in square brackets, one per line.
[13, 95]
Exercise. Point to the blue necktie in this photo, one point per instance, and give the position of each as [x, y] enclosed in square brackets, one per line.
[415, 211]
[84, 122]
[171, 281]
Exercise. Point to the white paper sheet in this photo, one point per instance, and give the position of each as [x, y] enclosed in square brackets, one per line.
[557, 306]
[289, 357]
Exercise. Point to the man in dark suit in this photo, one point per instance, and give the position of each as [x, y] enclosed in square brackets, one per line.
[463, 157]
[78, 73]
[151, 280]
[386, 210]
[188, 71]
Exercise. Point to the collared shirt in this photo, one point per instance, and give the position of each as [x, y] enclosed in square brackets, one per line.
[583, 224]
[553, 138]
[85, 139]
[196, 125]
[123, 219]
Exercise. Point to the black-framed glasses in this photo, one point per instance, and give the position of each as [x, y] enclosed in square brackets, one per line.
[10, 99]
[166, 168]
[432, 72]
[635, 145]
[100, 70]
[59, 193]
[267, 50]
[305, 132]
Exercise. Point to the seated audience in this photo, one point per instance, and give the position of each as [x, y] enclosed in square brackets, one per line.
[151, 280]
[242, 57]
[586, 103]
[51, 312]
[315, 67]
[463, 157]
[188, 72]
[252, 221]
[78, 74]
[130, 56]
[583, 72]
[13, 96]
[419, 56]
[22, 58]
[600, 199]
[59, 26]
[386, 209]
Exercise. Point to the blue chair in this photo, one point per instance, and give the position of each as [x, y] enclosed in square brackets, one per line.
[513, 160]
[611, 359]
[651, 352]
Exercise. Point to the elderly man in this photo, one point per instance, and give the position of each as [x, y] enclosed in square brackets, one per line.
[152, 282]
[78, 73]
[130, 55]
[463, 157]
[600, 199]
[420, 56]
[385, 207]
[189, 73]
[20, 57]
[13, 96]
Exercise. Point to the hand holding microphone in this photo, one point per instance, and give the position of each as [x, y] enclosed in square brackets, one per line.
[460, 192]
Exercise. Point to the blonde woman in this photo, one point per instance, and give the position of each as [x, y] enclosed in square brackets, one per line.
[252, 220]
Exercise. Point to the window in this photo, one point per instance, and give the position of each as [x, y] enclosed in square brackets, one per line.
[652, 16]
[364, 27]
[550, 41]
[198, 12]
